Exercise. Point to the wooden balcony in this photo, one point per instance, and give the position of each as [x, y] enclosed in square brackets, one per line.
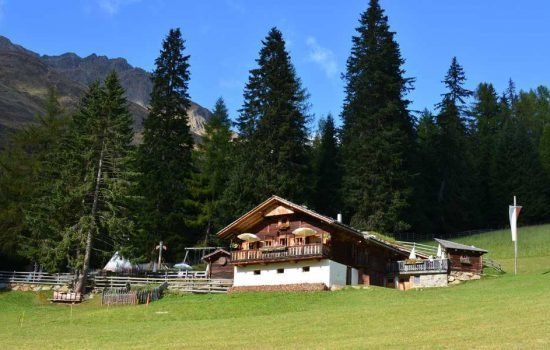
[405, 267]
[280, 253]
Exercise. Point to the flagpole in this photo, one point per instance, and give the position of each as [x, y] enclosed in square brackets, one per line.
[515, 247]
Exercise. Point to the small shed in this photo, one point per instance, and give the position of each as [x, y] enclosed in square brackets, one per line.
[463, 258]
[219, 264]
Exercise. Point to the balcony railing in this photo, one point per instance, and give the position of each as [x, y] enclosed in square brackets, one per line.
[281, 253]
[420, 266]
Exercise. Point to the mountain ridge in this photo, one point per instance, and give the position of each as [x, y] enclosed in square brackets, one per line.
[25, 77]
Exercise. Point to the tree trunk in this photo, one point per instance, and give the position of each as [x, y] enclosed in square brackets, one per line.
[86, 264]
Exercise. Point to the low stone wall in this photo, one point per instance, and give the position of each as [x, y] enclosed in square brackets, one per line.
[304, 287]
[455, 277]
[429, 281]
[25, 287]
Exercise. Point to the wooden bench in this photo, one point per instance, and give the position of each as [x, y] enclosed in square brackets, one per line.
[60, 297]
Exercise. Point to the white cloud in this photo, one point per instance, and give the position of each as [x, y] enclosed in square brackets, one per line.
[112, 7]
[322, 56]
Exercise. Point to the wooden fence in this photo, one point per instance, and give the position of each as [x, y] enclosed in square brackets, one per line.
[488, 262]
[187, 281]
[202, 286]
[121, 281]
[126, 296]
[194, 285]
[422, 249]
[41, 278]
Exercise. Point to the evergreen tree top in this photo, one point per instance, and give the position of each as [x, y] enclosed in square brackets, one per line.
[166, 128]
[374, 67]
[220, 115]
[273, 89]
[454, 82]
[171, 75]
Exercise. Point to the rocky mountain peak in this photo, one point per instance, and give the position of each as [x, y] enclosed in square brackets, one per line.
[27, 77]
[7, 46]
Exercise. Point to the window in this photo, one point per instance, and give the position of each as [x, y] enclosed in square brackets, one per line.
[282, 241]
[257, 272]
[299, 241]
[267, 243]
[464, 259]
[305, 269]
[280, 270]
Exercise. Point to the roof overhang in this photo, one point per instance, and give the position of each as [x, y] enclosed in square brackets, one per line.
[459, 246]
[275, 205]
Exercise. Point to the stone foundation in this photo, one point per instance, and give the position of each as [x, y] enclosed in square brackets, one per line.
[303, 287]
[26, 287]
[455, 277]
[429, 281]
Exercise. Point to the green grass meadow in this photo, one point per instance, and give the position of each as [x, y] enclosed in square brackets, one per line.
[496, 312]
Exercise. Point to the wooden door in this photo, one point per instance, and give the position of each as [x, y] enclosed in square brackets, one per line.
[348, 276]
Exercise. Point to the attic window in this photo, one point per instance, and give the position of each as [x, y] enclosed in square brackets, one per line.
[280, 270]
[305, 269]
[257, 272]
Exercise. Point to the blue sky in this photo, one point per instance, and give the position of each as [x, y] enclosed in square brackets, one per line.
[493, 40]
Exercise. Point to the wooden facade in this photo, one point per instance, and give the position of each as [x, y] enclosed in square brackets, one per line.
[463, 258]
[277, 242]
[219, 264]
[274, 222]
[465, 261]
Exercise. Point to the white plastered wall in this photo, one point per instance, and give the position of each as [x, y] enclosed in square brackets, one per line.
[320, 271]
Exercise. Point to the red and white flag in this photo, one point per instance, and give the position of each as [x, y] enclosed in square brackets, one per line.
[514, 213]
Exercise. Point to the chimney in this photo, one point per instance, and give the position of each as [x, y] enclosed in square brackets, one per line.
[339, 218]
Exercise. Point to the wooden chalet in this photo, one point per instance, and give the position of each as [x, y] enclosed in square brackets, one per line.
[284, 243]
[463, 258]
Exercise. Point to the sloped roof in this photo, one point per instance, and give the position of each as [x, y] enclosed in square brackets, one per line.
[256, 215]
[453, 245]
[216, 252]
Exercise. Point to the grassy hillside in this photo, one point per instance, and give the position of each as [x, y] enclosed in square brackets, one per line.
[533, 247]
[494, 313]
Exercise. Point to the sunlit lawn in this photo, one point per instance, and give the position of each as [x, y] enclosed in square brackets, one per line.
[495, 312]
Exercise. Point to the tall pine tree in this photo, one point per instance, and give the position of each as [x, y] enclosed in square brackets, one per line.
[377, 136]
[81, 207]
[544, 149]
[213, 159]
[26, 166]
[425, 209]
[520, 173]
[327, 168]
[102, 135]
[454, 193]
[165, 159]
[271, 151]
[518, 169]
[488, 121]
